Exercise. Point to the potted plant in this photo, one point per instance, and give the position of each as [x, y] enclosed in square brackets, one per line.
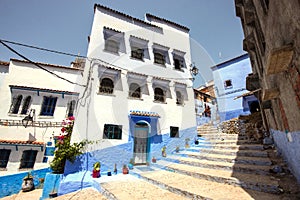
[163, 151]
[108, 173]
[125, 169]
[96, 170]
[177, 149]
[131, 163]
[27, 184]
[187, 145]
[153, 159]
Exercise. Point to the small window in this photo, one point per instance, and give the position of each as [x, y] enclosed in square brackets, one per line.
[174, 132]
[71, 108]
[112, 45]
[106, 86]
[137, 53]
[227, 84]
[112, 131]
[134, 91]
[26, 105]
[4, 156]
[159, 95]
[179, 98]
[48, 106]
[159, 58]
[28, 159]
[16, 103]
[178, 62]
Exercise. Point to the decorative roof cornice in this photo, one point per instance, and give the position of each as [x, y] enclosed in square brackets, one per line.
[151, 17]
[4, 63]
[16, 142]
[42, 90]
[46, 64]
[133, 19]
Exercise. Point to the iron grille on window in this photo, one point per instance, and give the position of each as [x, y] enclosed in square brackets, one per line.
[179, 98]
[16, 102]
[135, 91]
[112, 45]
[48, 106]
[26, 104]
[112, 131]
[28, 159]
[4, 157]
[159, 95]
[137, 53]
[159, 58]
[106, 86]
[178, 63]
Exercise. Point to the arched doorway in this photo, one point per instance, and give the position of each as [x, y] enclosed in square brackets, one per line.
[141, 144]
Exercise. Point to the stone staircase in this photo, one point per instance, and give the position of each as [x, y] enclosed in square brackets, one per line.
[220, 166]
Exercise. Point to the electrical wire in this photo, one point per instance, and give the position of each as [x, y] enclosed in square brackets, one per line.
[39, 66]
[72, 55]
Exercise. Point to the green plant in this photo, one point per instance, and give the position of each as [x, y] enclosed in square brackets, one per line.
[64, 149]
[97, 166]
[177, 149]
[28, 176]
[131, 161]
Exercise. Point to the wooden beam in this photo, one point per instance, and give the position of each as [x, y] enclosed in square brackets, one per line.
[269, 94]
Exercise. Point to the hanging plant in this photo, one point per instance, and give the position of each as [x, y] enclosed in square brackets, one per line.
[64, 149]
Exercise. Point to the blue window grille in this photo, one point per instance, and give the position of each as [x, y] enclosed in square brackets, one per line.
[48, 106]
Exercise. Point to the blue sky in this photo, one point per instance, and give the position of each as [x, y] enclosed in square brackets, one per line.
[63, 25]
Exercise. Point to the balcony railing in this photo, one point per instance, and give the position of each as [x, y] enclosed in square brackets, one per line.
[41, 124]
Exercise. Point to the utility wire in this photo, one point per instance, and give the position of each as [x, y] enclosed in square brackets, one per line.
[73, 55]
[39, 66]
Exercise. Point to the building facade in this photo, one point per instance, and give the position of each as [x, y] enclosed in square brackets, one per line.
[139, 96]
[33, 104]
[229, 78]
[272, 39]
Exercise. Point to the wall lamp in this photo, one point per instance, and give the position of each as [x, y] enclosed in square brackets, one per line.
[194, 70]
[29, 118]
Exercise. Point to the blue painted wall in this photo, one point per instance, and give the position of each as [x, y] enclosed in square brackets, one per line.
[120, 155]
[289, 150]
[236, 70]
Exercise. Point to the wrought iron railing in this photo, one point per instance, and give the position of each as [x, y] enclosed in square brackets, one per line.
[10, 122]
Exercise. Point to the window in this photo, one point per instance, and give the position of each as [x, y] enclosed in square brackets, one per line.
[134, 90]
[174, 132]
[113, 40]
[137, 53]
[106, 86]
[14, 109]
[71, 108]
[159, 58]
[159, 95]
[26, 104]
[28, 159]
[4, 156]
[179, 98]
[48, 106]
[112, 131]
[112, 45]
[228, 84]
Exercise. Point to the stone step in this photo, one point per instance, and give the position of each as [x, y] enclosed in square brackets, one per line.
[235, 167]
[228, 141]
[134, 188]
[260, 183]
[222, 135]
[232, 146]
[228, 158]
[196, 188]
[237, 152]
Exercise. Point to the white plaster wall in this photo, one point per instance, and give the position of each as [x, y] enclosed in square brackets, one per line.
[95, 110]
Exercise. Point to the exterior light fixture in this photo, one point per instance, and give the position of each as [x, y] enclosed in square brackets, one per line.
[194, 70]
[28, 118]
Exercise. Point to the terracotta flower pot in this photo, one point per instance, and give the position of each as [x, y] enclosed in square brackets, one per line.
[96, 174]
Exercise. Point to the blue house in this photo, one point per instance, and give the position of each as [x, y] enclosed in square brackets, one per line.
[230, 82]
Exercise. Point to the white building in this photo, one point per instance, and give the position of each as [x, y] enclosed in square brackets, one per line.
[27, 90]
[139, 92]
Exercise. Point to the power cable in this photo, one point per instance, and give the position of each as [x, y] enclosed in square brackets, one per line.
[73, 55]
[39, 66]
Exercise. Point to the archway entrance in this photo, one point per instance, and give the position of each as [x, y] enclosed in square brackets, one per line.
[141, 145]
